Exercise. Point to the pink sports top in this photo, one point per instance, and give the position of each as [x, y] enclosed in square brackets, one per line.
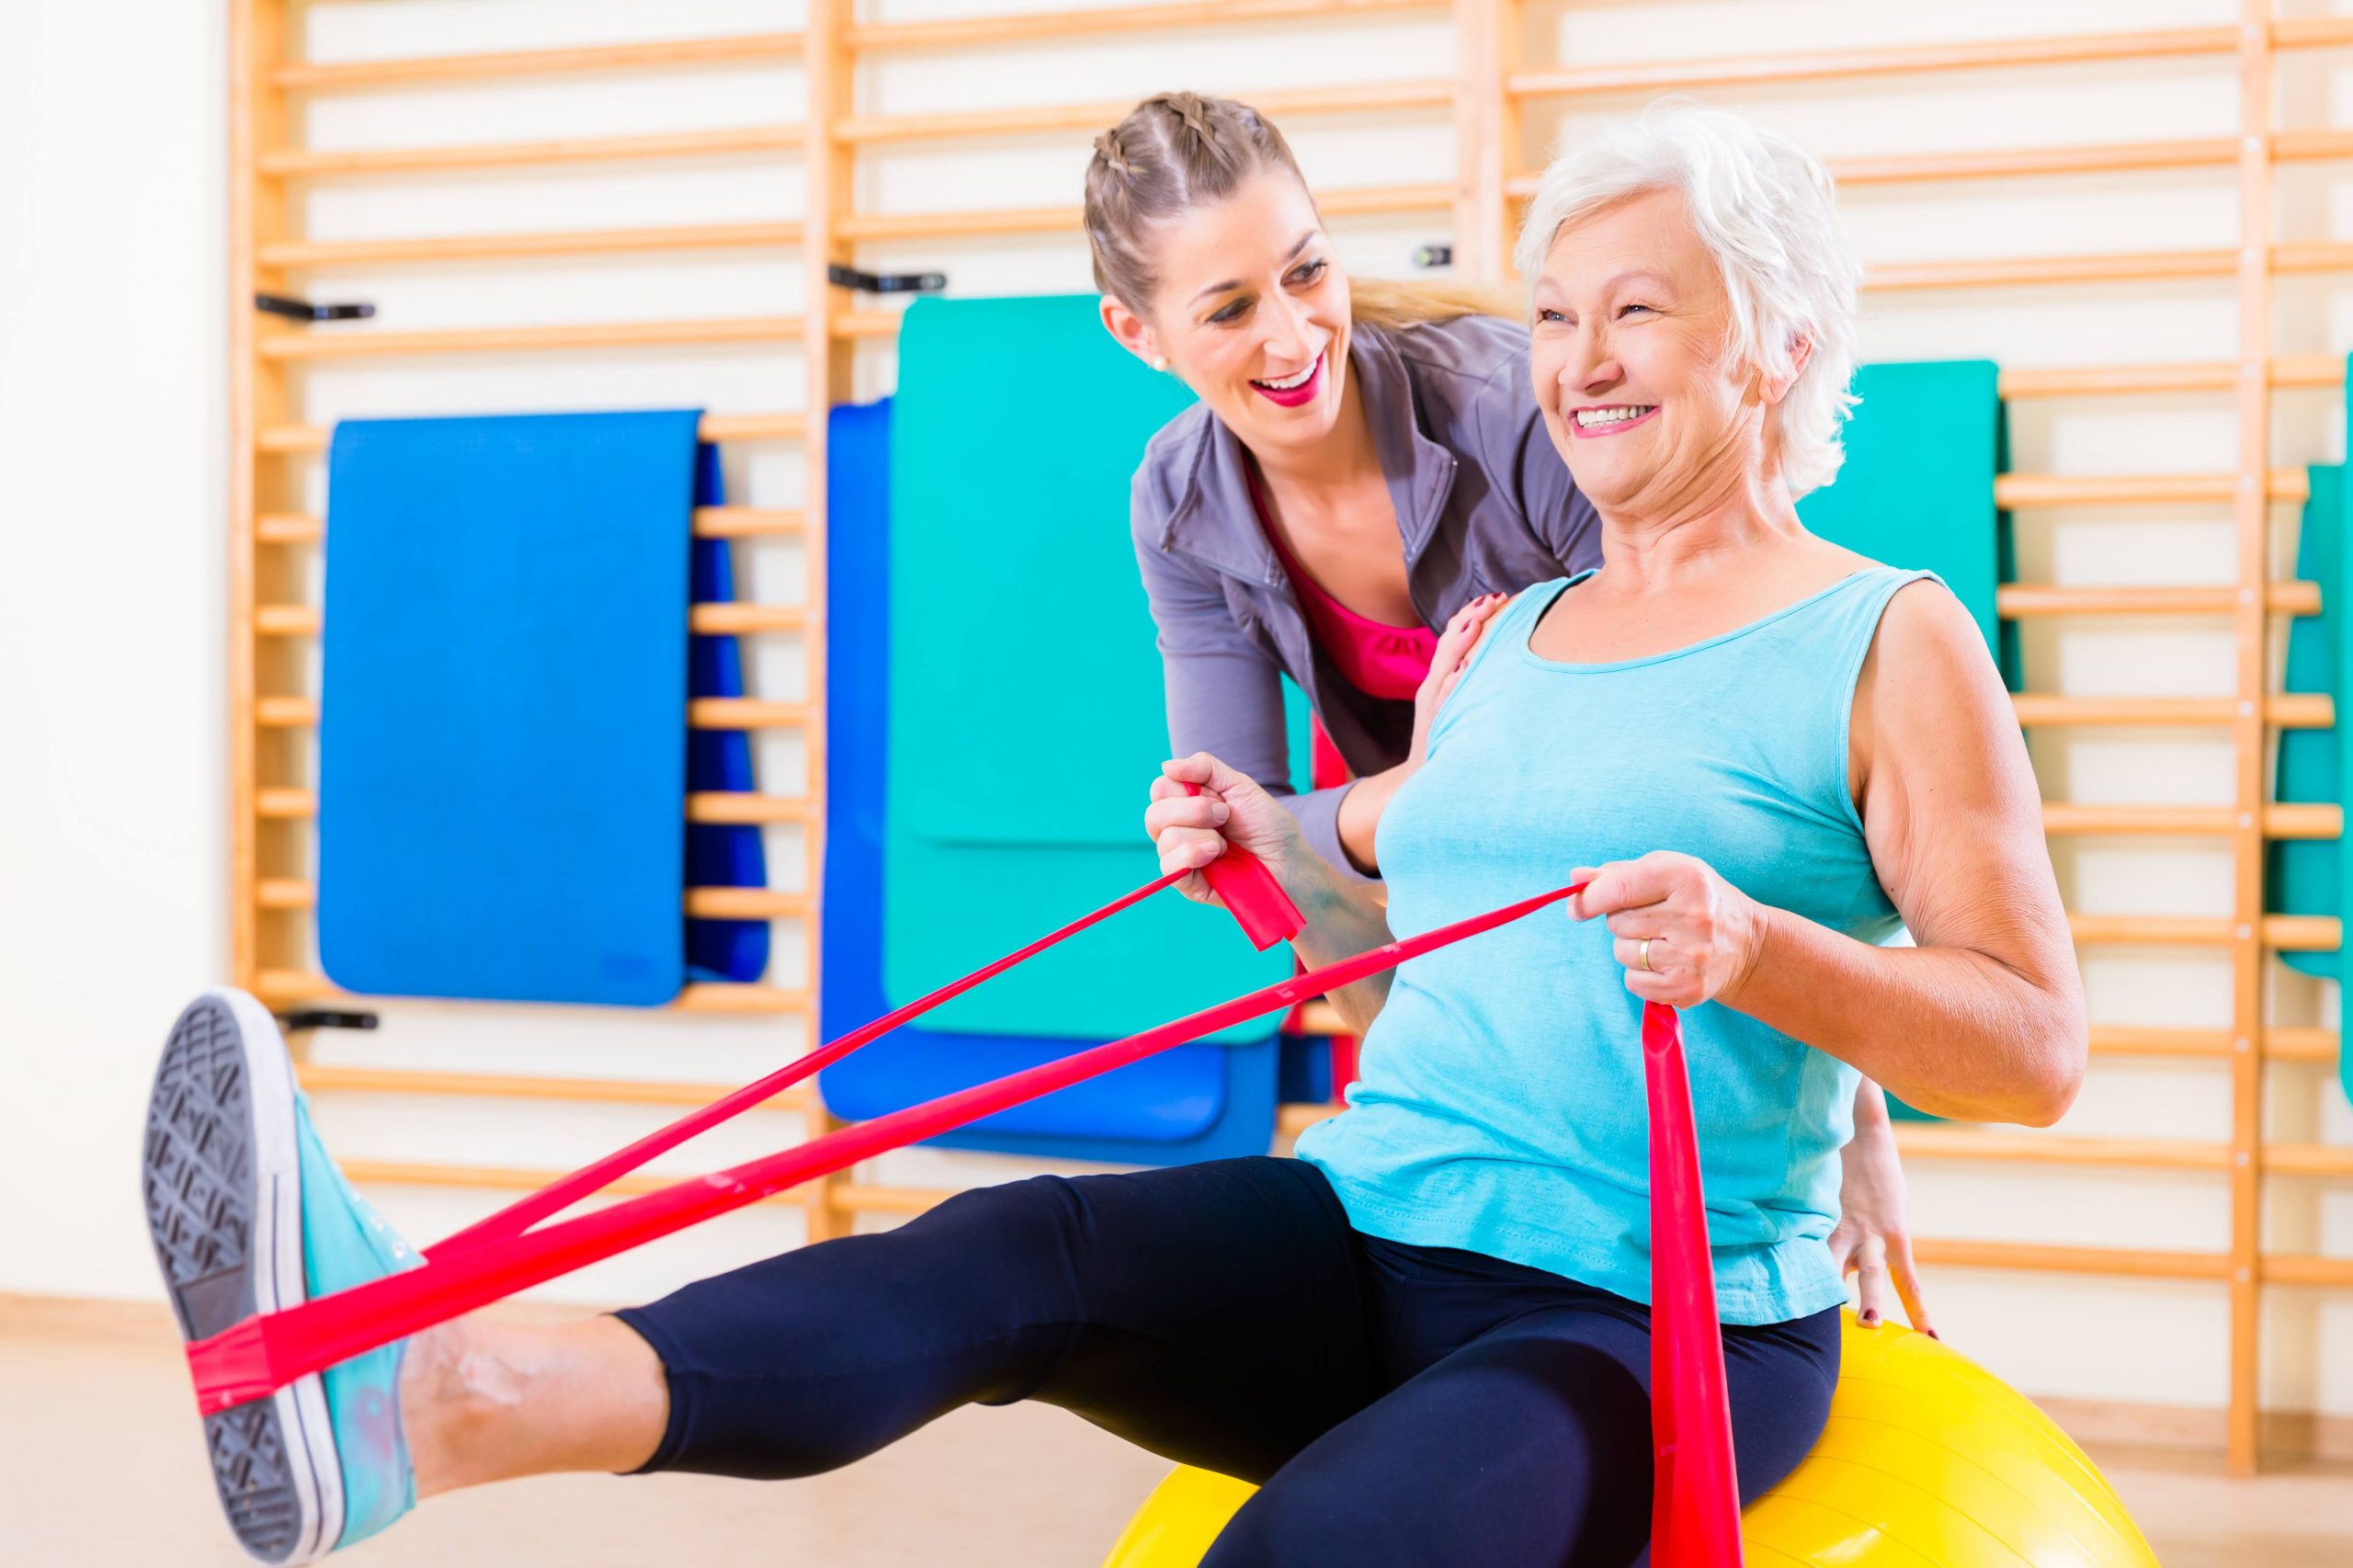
[1375, 657]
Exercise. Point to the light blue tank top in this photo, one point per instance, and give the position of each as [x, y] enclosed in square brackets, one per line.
[1501, 1106]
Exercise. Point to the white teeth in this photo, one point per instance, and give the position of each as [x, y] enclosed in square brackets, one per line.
[1589, 417]
[1295, 382]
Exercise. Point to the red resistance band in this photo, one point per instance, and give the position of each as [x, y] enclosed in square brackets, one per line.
[1696, 1510]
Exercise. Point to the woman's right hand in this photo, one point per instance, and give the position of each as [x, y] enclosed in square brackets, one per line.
[1454, 647]
[1190, 831]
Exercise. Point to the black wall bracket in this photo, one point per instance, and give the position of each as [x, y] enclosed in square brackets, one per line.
[303, 310]
[886, 282]
[295, 1023]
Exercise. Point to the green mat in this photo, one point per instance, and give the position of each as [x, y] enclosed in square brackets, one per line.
[1917, 487]
[2304, 875]
[1026, 718]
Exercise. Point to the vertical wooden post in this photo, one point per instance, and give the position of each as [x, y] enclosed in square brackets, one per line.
[1486, 137]
[2252, 512]
[830, 162]
[258, 396]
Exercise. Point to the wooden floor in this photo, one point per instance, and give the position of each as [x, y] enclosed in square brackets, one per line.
[100, 1465]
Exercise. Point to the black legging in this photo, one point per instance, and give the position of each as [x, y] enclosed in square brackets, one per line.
[1400, 1405]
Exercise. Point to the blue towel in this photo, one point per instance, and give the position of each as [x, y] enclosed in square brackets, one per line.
[502, 751]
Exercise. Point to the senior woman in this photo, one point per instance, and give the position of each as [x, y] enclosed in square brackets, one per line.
[1426, 1335]
[1365, 462]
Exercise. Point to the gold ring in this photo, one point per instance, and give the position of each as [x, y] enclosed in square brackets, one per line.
[1642, 954]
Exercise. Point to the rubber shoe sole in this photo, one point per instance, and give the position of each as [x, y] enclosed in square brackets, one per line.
[224, 1191]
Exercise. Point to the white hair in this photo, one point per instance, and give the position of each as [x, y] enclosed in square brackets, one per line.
[1767, 210]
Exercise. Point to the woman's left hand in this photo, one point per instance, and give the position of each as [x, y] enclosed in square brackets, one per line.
[1684, 935]
[1873, 1240]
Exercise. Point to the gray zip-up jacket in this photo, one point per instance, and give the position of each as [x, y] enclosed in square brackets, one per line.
[1483, 503]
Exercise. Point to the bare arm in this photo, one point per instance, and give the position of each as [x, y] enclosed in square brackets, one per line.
[1985, 1018]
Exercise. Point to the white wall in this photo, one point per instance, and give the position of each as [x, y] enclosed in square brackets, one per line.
[113, 440]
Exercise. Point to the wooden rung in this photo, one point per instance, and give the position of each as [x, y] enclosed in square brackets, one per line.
[2123, 266]
[2281, 820]
[506, 1179]
[288, 528]
[711, 522]
[286, 620]
[281, 804]
[2282, 933]
[2332, 1162]
[2140, 267]
[991, 223]
[721, 996]
[1058, 26]
[2023, 489]
[2311, 146]
[2021, 601]
[322, 1079]
[701, 904]
[866, 324]
[296, 254]
[745, 713]
[1827, 64]
[747, 522]
[2288, 372]
[285, 712]
[702, 713]
[744, 49]
[737, 619]
[1369, 98]
[745, 903]
[284, 892]
[2312, 32]
[2286, 711]
[2299, 1268]
[308, 163]
[314, 345]
[729, 619]
[1922, 1140]
[2038, 1258]
[2319, 1047]
[858, 1198]
[303, 439]
[2004, 163]
[746, 809]
[2308, 1046]
[277, 986]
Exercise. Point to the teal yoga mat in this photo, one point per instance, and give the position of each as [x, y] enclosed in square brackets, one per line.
[1917, 487]
[1027, 717]
[1916, 490]
[2306, 876]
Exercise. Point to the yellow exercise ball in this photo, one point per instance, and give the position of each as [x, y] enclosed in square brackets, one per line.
[1927, 1461]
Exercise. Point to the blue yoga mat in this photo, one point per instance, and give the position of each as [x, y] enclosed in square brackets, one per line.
[720, 855]
[501, 750]
[1195, 1102]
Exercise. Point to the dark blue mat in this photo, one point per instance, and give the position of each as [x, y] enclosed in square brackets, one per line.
[720, 855]
[502, 755]
[1195, 1102]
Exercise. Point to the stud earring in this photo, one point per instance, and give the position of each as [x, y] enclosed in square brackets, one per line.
[1160, 364]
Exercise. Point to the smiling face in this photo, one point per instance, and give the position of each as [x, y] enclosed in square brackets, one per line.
[1251, 311]
[1631, 361]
